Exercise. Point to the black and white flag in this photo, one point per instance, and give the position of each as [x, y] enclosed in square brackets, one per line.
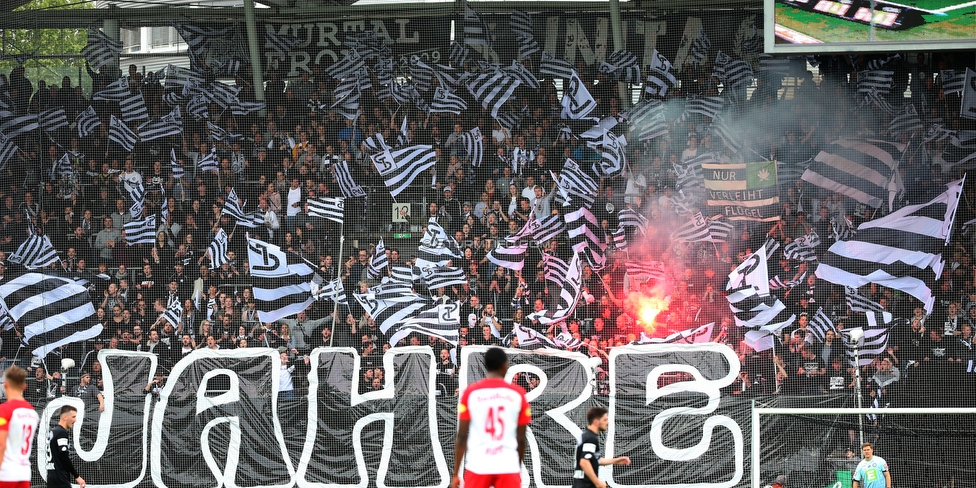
[141, 231]
[331, 208]
[695, 230]
[218, 250]
[331, 290]
[170, 124]
[865, 170]
[555, 67]
[577, 101]
[902, 251]
[860, 303]
[35, 252]
[474, 146]
[493, 90]
[116, 91]
[459, 54]
[441, 321]
[570, 286]
[209, 161]
[649, 119]
[968, 107]
[379, 262]
[280, 43]
[87, 120]
[613, 157]
[52, 119]
[51, 310]
[7, 149]
[576, 183]
[175, 165]
[646, 270]
[441, 276]
[347, 185]
[121, 134]
[19, 125]
[282, 280]
[803, 248]
[233, 206]
[446, 101]
[174, 314]
[508, 256]
[906, 121]
[474, 28]
[953, 81]
[101, 49]
[400, 167]
[820, 324]
[586, 236]
[133, 108]
[660, 77]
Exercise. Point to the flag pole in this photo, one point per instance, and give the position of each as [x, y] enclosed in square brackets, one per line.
[335, 301]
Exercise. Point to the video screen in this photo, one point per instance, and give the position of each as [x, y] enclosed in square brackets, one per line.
[819, 26]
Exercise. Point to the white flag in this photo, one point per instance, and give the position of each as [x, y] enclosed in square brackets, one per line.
[968, 107]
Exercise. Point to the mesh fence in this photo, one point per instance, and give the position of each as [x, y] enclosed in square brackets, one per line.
[252, 220]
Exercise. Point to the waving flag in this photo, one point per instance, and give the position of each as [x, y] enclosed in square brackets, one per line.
[743, 191]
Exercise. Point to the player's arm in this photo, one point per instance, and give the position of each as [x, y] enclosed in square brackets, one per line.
[619, 461]
[886, 473]
[460, 448]
[520, 432]
[525, 418]
[590, 474]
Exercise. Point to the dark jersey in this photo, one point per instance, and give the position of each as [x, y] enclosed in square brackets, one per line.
[60, 471]
[588, 449]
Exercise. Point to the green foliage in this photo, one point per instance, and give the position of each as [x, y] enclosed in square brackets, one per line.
[44, 48]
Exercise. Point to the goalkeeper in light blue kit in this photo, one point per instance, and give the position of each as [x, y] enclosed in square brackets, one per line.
[872, 471]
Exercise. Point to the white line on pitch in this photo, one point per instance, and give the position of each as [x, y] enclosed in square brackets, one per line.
[953, 7]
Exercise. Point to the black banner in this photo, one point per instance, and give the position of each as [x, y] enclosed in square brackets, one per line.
[218, 421]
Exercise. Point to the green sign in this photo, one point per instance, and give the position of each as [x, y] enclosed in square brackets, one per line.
[405, 235]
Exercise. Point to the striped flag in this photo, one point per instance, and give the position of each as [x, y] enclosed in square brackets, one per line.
[555, 268]
[436, 247]
[629, 217]
[375, 144]
[379, 262]
[133, 108]
[660, 77]
[649, 120]
[953, 81]
[331, 290]
[577, 101]
[696, 335]
[347, 185]
[878, 81]
[842, 229]
[742, 191]
[622, 65]
[508, 256]
[646, 270]
[565, 340]
[175, 165]
[253, 219]
[51, 310]
[875, 342]
[546, 229]
[570, 286]
[405, 273]
[441, 321]
[527, 47]
[331, 208]
[523, 74]
[860, 303]
[19, 125]
[7, 149]
[233, 206]
[52, 119]
[531, 339]
[802, 248]
[282, 280]
[763, 312]
[474, 28]
[474, 146]
[62, 168]
[137, 193]
[577, 183]
[555, 67]
[586, 236]
[35, 252]
[695, 230]
[401, 166]
[902, 251]
[738, 74]
[446, 101]
[521, 24]
[114, 92]
[777, 283]
[459, 54]
[86, 122]
[493, 90]
[209, 161]
[620, 239]
[440, 276]
[346, 66]
[101, 49]
[905, 121]
[170, 124]
[820, 324]
[860, 169]
[700, 47]
[199, 107]
[613, 158]
[218, 249]
[720, 231]
[121, 134]
[174, 314]
[704, 106]
[142, 231]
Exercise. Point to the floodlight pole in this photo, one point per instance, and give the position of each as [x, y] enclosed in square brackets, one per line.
[254, 48]
[858, 399]
[617, 28]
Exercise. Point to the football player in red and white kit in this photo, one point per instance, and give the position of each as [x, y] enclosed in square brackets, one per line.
[18, 423]
[492, 418]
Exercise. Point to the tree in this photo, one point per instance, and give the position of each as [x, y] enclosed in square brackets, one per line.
[44, 52]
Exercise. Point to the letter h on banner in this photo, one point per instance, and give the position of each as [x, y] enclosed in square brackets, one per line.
[637, 371]
[338, 414]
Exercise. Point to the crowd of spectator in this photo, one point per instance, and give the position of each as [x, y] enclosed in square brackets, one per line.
[285, 158]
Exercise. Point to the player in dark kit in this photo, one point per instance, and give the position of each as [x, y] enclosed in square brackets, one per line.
[60, 470]
[588, 460]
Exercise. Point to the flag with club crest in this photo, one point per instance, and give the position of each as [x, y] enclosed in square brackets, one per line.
[121, 134]
[170, 124]
[400, 167]
[803, 248]
[379, 262]
[577, 101]
[218, 249]
[86, 121]
[141, 231]
[660, 76]
[474, 146]
[330, 208]
[35, 252]
[555, 67]
[446, 101]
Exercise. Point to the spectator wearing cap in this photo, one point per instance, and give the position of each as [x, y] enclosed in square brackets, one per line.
[451, 206]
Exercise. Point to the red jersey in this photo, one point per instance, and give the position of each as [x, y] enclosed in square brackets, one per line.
[495, 408]
[19, 419]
